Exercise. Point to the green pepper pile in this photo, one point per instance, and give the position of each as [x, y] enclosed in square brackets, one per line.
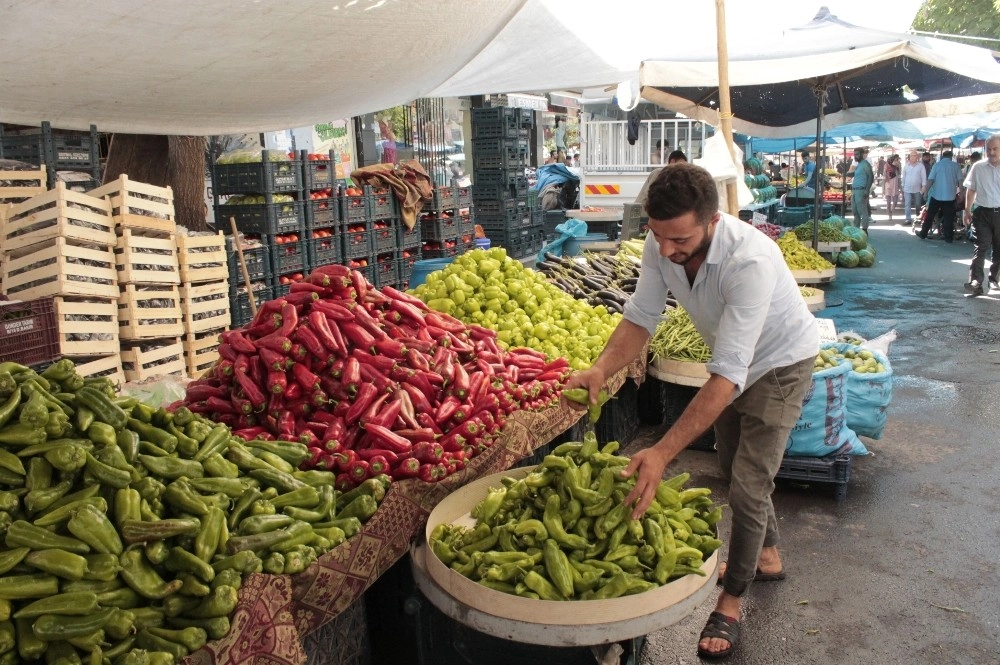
[127, 529]
[563, 532]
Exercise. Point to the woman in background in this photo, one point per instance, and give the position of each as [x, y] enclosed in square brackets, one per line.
[891, 187]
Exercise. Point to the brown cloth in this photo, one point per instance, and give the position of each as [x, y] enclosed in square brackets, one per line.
[408, 180]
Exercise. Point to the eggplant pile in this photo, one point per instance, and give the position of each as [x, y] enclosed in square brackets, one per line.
[600, 279]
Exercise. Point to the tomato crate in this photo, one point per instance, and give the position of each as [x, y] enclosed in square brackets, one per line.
[59, 267]
[86, 327]
[257, 259]
[358, 243]
[385, 269]
[442, 252]
[368, 271]
[28, 332]
[287, 257]
[435, 227]
[404, 269]
[322, 213]
[318, 173]
[497, 191]
[282, 289]
[325, 251]
[149, 311]
[466, 224]
[384, 236]
[442, 198]
[59, 213]
[383, 203]
[833, 469]
[264, 177]
[410, 257]
[407, 238]
[142, 258]
[271, 218]
[201, 350]
[463, 196]
[205, 306]
[202, 258]
[138, 205]
[239, 303]
[109, 366]
[16, 186]
[141, 361]
[355, 207]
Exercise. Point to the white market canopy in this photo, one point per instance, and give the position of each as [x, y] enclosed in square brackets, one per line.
[230, 66]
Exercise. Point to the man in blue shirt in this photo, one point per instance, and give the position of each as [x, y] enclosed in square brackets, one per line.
[942, 187]
[861, 187]
[743, 299]
[808, 171]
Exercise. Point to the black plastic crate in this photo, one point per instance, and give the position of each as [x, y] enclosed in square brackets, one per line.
[463, 196]
[266, 218]
[368, 271]
[288, 257]
[404, 269]
[506, 208]
[29, 332]
[442, 198]
[508, 236]
[325, 251]
[442, 252]
[239, 305]
[384, 237]
[834, 469]
[512, 219]
[500, 160]
[383, 203]
[649, 402]
[281, 290]
[318, 173]
[322, 213]
[257, 259]
[57, 149]
[498, 130]
[357, 243]
[519, 250]
[505, 177]
[409, 257]
[513, 146]
[386, 273]
[480, 192]
[408, 237]
[434, 227]
[355, 208]
[466, 225]
[675, 400]
[263, 177]
[619, 419]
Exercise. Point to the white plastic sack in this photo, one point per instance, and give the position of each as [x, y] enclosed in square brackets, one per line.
[717, 161]
[868, 395]
[822, 427]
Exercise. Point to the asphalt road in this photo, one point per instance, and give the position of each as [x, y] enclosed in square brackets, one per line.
[905, 569]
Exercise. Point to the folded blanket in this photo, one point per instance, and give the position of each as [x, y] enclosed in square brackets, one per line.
[408, 180]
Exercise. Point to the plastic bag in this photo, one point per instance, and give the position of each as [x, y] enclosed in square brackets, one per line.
[157, 391]
[571, 228]
[250, 155]
[822, 426]
[868, 395]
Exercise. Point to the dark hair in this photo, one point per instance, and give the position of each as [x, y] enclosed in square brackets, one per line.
[681, 189]
[805, 153]
[976, 156]
[947, 154]
[925, 154]
[676, 156]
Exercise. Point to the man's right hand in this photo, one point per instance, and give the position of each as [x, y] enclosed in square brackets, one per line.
[591, 379]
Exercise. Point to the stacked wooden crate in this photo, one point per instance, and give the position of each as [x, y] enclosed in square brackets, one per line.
[60, 244]
[204, 298]
[15, 187]
[150, 322]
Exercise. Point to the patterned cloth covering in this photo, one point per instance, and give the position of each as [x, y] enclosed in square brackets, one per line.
[276, 612]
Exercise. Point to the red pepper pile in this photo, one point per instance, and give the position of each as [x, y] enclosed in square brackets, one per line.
[373, 381]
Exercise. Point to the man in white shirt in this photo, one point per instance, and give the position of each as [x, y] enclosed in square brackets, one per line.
[914, 181]
[982, 208]
[744, 301]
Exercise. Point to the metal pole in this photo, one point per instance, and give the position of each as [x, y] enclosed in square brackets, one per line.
[725, 106]
[816, 185]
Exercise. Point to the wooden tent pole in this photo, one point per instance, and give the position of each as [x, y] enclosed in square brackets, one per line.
[725, 107]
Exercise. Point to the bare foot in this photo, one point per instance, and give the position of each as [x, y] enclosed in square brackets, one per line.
[769, 562]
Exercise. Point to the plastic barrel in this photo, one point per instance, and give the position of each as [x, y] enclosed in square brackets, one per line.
[482, 243]
[425, 267]
[572, 245]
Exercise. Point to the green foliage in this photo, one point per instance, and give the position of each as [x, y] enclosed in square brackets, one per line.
[975, 18]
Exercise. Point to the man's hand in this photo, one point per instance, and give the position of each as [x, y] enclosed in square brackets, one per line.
[650, 464]
[591, 379]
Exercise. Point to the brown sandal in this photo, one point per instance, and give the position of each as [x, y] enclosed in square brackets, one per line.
[723, 627]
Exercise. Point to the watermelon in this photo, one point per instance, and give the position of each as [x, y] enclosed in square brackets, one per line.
[859, 239]
[866, 258]
[848, 259]
[749, 181]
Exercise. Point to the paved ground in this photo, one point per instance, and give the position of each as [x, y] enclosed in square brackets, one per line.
[905, 570]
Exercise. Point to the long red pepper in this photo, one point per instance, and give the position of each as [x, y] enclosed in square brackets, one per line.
[323, 332]
[276, 381]
[386, 417]
[305, 378]
[351, 378]
[272, 359]
[366, 394]
[307, 338]
[227, 352]
[252, 391]
[386, 438]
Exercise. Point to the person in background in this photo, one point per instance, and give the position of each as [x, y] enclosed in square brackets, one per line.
[962, 225]
[890, 186]
[914, 181]
[785, 171]
[942, 188]
[926, 159]
[880, 168]
[560, 137]
[552, 158]
[861, 187]
[576, 159]
[982, 210]
[774, 170]
[677, 157]
[744, 301]
[808, 171]
[657, 156]
[389, 154]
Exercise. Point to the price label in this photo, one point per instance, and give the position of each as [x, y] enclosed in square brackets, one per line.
[827, 330]
[759, 218]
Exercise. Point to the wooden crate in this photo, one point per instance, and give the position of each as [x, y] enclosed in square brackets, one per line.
[48, 269]
[137, 205]
[143, 258]
[165, 356]
[201, 350]
[149, 311]
[109, 366]
[87, 328]
[59, 213]
[205, 306]
[17, 185]
[202, 258]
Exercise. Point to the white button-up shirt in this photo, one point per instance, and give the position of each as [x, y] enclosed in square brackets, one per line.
[744, 302]
[914, 178]
[984, 179]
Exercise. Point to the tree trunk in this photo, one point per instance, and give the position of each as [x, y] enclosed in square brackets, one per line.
[177, 162]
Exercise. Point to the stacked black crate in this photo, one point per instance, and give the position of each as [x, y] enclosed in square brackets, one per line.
[385, 236]
[59, 151]
[410, 250]
[356, 208]
[445, 229]
[324, 230]
[267, 202]
[500, 150]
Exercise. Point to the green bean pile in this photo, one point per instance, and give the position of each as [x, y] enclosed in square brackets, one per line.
[676, 338]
